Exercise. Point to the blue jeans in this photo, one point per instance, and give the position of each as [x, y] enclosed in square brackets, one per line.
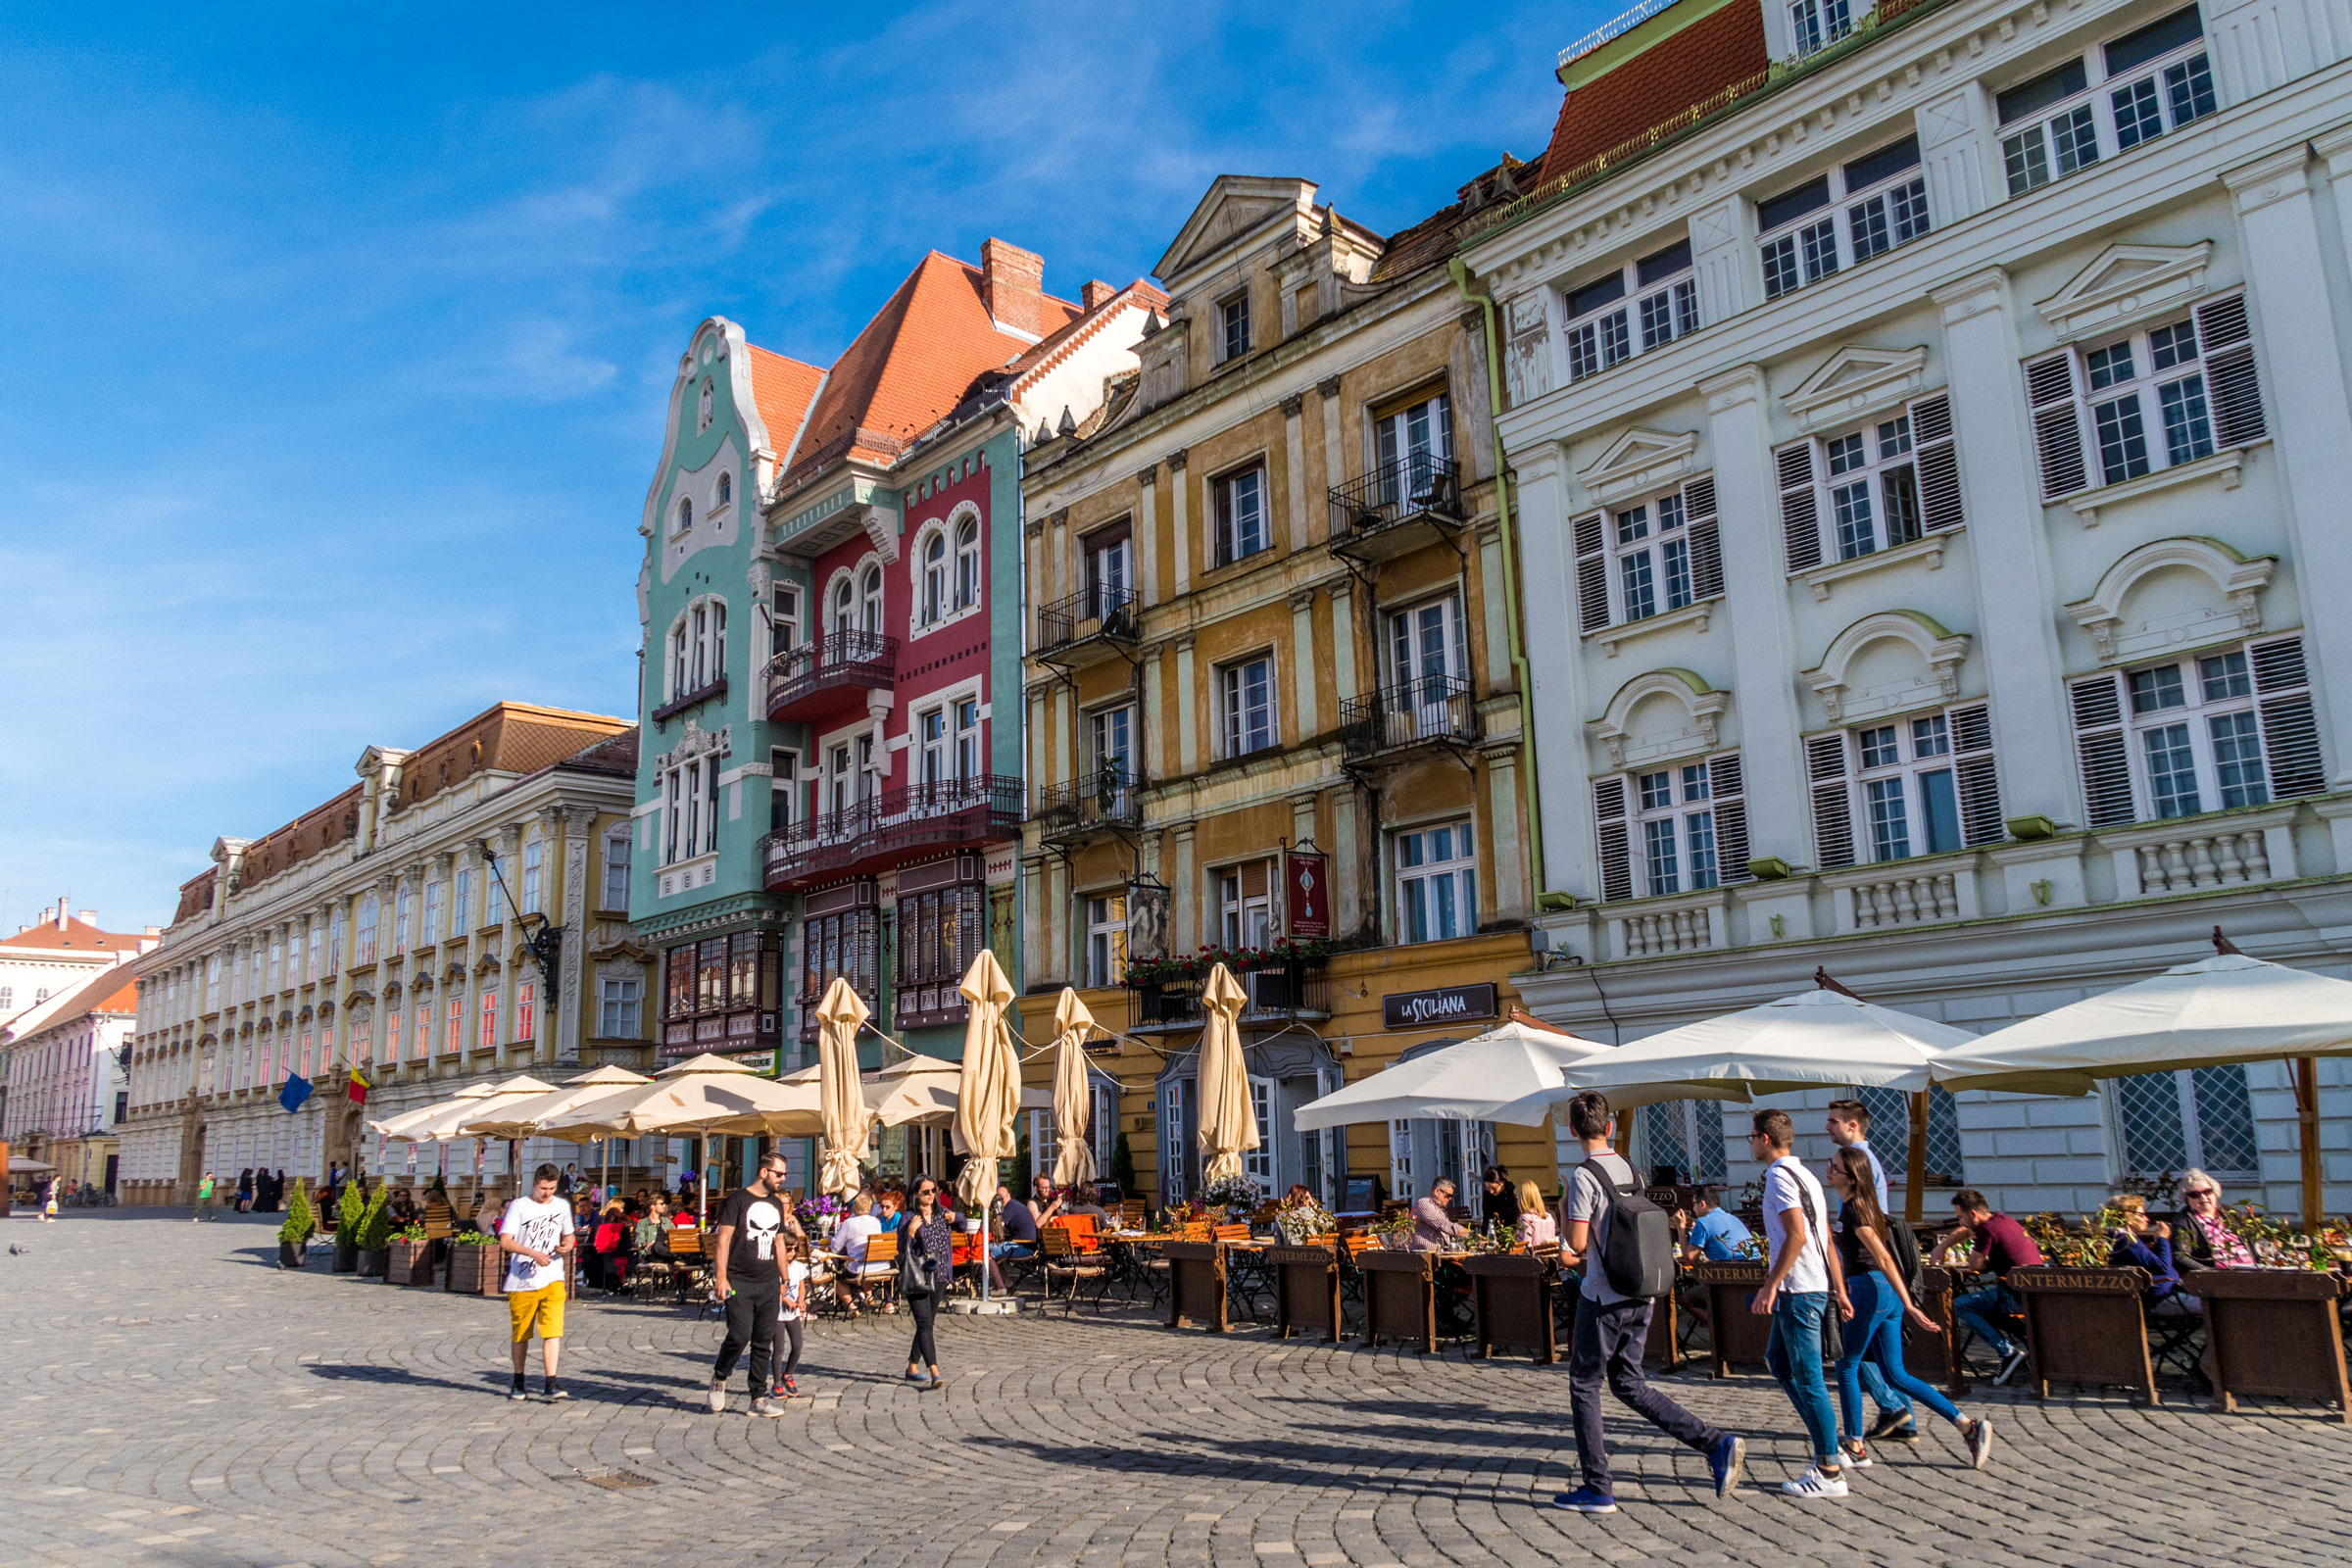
[1982, 1310]
[1004, 1249]
[1874, 1339]
[1793, 1354]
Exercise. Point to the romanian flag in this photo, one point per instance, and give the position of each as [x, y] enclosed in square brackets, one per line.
[356, 1091]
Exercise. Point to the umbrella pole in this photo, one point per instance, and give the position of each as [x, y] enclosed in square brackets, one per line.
[2307, 1120]
[1915, 1164]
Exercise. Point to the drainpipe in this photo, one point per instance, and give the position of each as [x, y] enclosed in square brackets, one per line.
[1510, 574]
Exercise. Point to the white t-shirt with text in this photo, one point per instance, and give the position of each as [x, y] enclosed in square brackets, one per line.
[541, 1227]
[1789, 1185]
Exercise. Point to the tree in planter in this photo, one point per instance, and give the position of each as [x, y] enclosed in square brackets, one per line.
[295, 1229]
[349, 1213]
[1020, 1179]
[1122, 1167]
[374, 1223]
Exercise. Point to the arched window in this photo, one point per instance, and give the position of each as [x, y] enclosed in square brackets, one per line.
[685, 513]
[869, 610]
[701, 416]
[935, 577]
[845, 609]
[726, 488]
[967, 563]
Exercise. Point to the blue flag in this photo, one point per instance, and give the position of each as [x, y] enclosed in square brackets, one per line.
[297, 1089]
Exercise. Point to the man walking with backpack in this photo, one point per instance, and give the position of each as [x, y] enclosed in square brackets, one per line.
[1627, 1245]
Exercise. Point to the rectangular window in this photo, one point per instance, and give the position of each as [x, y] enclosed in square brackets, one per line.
[2211, 732]
[404, 910]
[432, 912]
[2136, 88]
[488, 1036]
[1817, 24]
[1689, 821]
[1661, 552]
[1106, 939]
[526, 1010]
[1245, 694]
[1246, 903]
[1234, 314]
[392, 1035]
[1437, 882]
[531, 866]
[1241, 499]
[968, 762]
[2201, 1117]
[1857, 210]
[616, 869]
[1109, 562]
[1889, 481]
[1639, 306]
[1924, 785]
[461, 902]
[620, 1009]
[452, 1035]
[783, 624]
[931, 746]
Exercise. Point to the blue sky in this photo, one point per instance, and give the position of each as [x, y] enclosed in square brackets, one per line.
[338, 337]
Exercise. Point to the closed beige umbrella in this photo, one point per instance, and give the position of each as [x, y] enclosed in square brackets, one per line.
[989, 1092]
[1074, 1157]
[1228, 1120]
[847, 1121]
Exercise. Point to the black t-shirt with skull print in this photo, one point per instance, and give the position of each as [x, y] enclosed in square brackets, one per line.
[758, 1223]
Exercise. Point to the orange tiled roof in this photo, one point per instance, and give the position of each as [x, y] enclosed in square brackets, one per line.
[1685, 68]
[913, 362]
[782, 388]
[74, 934]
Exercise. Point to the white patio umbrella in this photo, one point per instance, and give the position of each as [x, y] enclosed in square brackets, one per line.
[1228, 1117]
[2224, 1009]
[988, 1093]
[845, 1120]
[699, 1096]
[525, 1117]
[1073, 1154]
[453, 1120]
[395, 1128]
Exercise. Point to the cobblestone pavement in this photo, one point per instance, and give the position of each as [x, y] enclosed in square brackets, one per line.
[170, 1397]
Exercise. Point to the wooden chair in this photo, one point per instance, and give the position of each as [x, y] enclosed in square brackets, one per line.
[1131, 1215]
[880, 1270]
[1231, 1233]
[1063, 1263]
[688, 1262]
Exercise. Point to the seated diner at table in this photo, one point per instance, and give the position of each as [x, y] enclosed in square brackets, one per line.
[1501, 1199]
[2203, 1238]
[1714, 1233]
[1046, 1206]
[2138, 1242]
[1433, 1232]
[849, 1239]
[1536, 1227]
[1018, 1224]
[2001, 1245]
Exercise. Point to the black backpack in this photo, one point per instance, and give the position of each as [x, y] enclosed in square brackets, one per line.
[1903, 1243]
[1637, 1257]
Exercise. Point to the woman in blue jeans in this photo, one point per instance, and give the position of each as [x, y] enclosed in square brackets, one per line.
[1875, 1332]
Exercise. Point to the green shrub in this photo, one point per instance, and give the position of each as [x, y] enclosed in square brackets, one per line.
[348, 1215]
[1122, 1167]
[295, 1229]
[376, 1221]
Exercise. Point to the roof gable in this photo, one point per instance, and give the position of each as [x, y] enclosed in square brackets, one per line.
[1235, 206]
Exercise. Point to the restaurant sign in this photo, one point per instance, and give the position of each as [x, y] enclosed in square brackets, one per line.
[1420, 1009]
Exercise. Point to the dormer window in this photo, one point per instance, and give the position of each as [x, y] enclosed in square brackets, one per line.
[2132, 90]
[1816, 23]
[1606, 328]
[1237, 325]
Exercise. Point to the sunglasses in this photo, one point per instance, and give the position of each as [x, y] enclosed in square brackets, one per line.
[2200, 1192]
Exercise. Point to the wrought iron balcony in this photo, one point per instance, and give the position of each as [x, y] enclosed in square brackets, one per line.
[1401, 505]
[715, 686]
[875, 835]
[1090, 625]
[1109, 800]
[1276, 995]
[829, 672]
[1433, 711]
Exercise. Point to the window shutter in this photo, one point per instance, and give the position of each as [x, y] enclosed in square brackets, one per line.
[1939, 460]
[1978, 783]
[1832, 807]
[1706, 539]
[2290, 736]
[1801, 510]
[1592, 573]
[2231, 386]
[2057, 426]
[1616, 857]
[2099, 745]
[1727, 783]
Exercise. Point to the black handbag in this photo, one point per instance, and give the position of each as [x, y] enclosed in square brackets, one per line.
[917, 1274]
[1832, 1330]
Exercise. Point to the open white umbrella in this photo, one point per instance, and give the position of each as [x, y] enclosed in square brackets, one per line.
[1228, 1117]
[701, 1095]
[396, 1128]
[523, 1118]
[2231, 1008]
[1073, 1154]
[846, 1124]
[454, 1119]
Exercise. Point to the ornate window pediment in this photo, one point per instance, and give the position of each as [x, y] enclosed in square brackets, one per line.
[2173, 594]
[2125, 285]
[1854, 384]
[1660, 714]
[1638, 462]
[1888, 662]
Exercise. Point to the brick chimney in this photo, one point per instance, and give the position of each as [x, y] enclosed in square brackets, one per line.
[1097, 293]
[1013, 287]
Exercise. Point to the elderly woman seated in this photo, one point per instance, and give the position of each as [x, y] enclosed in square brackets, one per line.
[2204, 1240]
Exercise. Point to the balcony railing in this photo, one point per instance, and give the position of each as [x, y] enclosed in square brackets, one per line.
[716, 686]
[1276, 995]
[826, 665]
[1104, 610]
[1418, 487]
[877, 834]
[1433, 711]
[1109, 798]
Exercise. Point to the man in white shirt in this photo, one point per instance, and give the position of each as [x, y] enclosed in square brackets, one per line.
[849, 1239]
[1803, 1283]
[536, 1235]
[1848, 1127]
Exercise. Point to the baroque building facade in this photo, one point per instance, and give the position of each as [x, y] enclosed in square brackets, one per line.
[831, 602]
[1274, 693]
[1929, 429]
[372, 934]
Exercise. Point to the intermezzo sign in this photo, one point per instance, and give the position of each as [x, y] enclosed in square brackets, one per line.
[1412, 1009]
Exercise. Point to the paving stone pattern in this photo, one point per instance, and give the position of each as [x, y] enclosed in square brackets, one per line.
[170, 1397]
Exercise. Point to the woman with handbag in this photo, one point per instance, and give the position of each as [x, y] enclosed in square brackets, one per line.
[926, 1262]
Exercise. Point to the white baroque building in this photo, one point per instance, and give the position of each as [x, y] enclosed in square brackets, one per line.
[1934, 428]
[369, 933]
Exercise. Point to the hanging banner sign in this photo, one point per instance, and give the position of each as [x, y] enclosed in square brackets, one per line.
[1422, 1009]
[1306, 896]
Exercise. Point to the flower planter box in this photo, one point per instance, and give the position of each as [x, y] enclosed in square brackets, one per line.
[1400, 1301]
[371, 1264]
[2275, 1332]
[409, 1263]
[1197, 1285]
[1737, 1336]
[1306, 1291]
[474, 1269]
[1511, 1297]
[347, 1258]
[2088, 1327]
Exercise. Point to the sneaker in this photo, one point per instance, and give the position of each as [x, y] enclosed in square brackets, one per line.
[1979, 1443]
[1814, 1483]
[792, 1385]
[1724, 1461]
[764, 1406]
[1857, 1457]
[1584, 1499]
[2009, 1366]
[1893, 1426]
[518, 1391]
[935, 1384]
[553, 1391]
[914, 1377]
[718, 1399]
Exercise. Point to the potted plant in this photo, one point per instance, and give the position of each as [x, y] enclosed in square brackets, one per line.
[294, 1231]
[1238, 1196]
[348, 1213]
[376, 1234]
[410, 1258]
[475, 1264]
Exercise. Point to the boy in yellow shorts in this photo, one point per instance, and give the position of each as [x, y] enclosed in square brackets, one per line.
[536, 1235]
